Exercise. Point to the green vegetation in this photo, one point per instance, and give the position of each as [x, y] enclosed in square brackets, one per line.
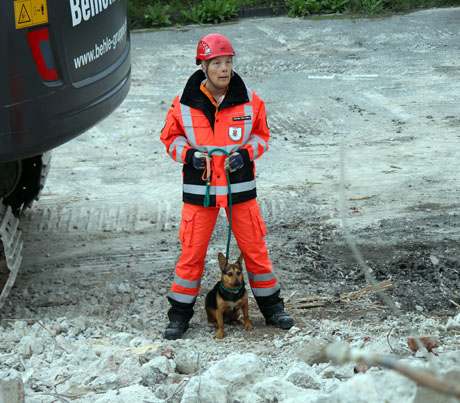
[301, 8]
[160, 13]
[372, 7]
[157, 14]
[211, 11]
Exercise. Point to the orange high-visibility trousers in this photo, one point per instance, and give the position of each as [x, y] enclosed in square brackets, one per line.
[195, 232]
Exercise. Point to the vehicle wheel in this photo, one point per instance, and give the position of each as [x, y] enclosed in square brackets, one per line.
[29, 180]
[10, 174]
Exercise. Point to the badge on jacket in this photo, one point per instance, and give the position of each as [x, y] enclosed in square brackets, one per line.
[235, 133]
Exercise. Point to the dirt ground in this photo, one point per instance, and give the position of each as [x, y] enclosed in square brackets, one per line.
[102, 242]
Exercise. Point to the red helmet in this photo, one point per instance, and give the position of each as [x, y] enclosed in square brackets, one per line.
[213, 45]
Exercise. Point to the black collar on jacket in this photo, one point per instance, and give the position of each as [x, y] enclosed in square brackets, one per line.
[192, 95]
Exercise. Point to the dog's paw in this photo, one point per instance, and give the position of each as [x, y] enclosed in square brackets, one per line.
[219, 334]
[248, 325]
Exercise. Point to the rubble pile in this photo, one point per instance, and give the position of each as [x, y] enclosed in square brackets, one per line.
[88, 361]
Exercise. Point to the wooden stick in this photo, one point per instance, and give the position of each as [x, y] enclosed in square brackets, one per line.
[314, 301]
[370, 289]
[454, 303]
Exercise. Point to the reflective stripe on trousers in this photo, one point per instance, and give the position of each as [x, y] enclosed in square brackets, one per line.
[195, 232]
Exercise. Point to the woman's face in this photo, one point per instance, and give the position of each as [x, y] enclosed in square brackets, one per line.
[220, 71]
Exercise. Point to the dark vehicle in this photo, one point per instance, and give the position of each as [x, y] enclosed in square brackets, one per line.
[65, 65]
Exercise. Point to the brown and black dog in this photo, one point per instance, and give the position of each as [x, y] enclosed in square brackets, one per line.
[229, 295]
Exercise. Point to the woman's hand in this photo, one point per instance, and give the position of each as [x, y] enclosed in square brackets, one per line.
[199, 160]
[234, 162]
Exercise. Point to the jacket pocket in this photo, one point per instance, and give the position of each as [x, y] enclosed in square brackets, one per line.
[192, 176]
[199, 123]
[198, 131]
[258, 224]
[199, 120]
[186, 228]
[245, 174]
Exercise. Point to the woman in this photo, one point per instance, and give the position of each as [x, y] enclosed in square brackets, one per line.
[216, 110]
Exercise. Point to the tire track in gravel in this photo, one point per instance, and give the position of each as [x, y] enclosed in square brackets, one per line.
[159, 216]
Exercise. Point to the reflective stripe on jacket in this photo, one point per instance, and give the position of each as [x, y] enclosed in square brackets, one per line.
[238, 124]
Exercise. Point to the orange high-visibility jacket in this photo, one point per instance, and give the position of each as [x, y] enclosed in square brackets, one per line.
[239, 123]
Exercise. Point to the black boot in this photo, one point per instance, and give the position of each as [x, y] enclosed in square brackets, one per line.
[279, 318]
[176, 329]
[179, 317]
[272, 307]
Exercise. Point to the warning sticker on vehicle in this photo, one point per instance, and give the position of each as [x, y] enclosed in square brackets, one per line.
[28, 13]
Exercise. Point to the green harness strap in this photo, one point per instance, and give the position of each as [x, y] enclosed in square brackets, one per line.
[229, 191]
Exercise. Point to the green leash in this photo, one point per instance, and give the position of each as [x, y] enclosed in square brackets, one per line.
[207, 198]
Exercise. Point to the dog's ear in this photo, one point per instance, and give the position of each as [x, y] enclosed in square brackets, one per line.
[222, 261]
[240, 260]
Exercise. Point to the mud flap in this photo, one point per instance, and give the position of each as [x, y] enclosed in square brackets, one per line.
[10, 251]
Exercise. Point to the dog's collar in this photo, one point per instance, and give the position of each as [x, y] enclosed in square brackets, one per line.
[231, 294]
